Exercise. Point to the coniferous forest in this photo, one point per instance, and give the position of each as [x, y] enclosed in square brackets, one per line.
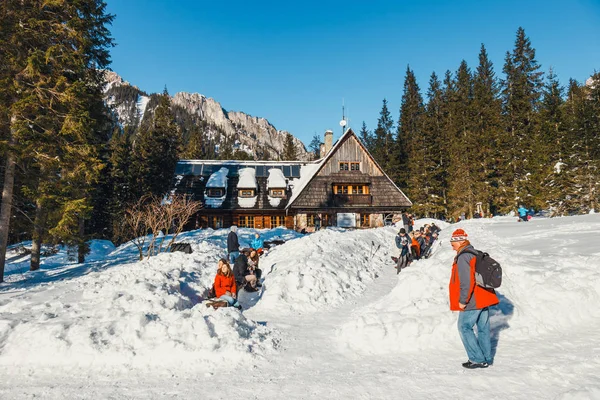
[69, 169]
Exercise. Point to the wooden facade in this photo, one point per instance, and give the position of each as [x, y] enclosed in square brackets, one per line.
[347, 185]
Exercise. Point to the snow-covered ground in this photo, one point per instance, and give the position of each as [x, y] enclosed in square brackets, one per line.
[333, 320]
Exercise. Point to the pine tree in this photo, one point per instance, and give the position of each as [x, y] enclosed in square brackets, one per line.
[411, 155]
[52, 50]
[366, 137]
[315, 146]
[383, 140]
[521, 93]
[552, 134]
[195, 147]
[489, 135]
[462, 179]
[289, 148]
[156, 152]
[435, 182]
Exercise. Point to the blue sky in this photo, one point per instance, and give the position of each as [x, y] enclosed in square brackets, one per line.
[293, 62]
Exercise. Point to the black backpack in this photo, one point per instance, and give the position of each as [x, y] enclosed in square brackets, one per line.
[488, 272]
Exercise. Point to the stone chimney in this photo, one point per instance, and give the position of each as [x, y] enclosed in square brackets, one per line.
[328, 141]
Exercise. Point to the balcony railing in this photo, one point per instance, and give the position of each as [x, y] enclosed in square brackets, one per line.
[340, 200]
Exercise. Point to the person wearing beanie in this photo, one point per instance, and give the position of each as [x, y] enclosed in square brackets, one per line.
[402, 243]
[472, 301]
[233, 246]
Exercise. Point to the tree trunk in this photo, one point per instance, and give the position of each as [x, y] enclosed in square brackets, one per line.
[7, 198]
[38, 233]
[81, 249]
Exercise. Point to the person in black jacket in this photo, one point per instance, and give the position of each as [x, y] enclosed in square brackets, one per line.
[233, 246]
[243, 275]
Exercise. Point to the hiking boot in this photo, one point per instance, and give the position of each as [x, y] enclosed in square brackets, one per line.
[472, 365]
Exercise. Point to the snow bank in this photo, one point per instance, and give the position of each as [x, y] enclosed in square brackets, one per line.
[247, 202]
[218, 179]
[247, 178]
[322, 269]
[140, 314]
[276, 179]
[551, 282]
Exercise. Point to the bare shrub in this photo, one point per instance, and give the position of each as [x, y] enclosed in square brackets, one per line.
[152, 218]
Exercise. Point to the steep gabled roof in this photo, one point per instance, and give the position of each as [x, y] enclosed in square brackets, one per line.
[318, 165]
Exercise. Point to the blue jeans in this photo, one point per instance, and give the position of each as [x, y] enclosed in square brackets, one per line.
[479, 348]
[230, 300]
[232, 256]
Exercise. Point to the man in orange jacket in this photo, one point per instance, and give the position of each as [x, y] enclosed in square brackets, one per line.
[472, 301]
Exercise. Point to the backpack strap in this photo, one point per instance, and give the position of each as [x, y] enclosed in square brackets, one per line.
[466, 251]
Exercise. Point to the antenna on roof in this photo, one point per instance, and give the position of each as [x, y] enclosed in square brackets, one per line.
[343, 121]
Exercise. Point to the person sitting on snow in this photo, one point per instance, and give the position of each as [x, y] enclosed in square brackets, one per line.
[414, 247]
[243, 276]
[253, 266]
[225, 285]
[257, 244]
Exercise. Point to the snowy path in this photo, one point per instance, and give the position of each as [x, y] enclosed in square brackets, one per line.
[549, 330]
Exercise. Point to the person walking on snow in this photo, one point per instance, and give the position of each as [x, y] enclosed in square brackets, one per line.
[233, 246]
[402, 243]
[472, 301]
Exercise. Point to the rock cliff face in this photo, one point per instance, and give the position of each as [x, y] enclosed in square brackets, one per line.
[251, 134]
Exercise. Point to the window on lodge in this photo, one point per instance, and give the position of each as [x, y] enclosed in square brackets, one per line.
[246, 221]
[277, 193]
[310, 220]
[351, 189]
[246, 193]
[365, 220]
[352, 166]
[215, 222]
[276, 220]
[214, 192]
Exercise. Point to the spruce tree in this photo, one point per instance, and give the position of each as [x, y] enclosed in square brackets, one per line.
[289, 148]
[156, 152]
[366, 137]
[489, 137]
[315, 146]
[411, 155]
[521, 93]
[383, 140]
[434, 136]
[462, 143]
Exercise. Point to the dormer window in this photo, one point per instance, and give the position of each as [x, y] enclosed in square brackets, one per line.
[246, 193]
[354, 166]
[344, 166]
[277, 193]
[215, 192]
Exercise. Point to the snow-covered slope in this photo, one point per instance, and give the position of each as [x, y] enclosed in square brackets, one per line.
[333, 321]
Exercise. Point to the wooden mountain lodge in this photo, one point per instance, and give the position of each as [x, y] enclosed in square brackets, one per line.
[345, 188]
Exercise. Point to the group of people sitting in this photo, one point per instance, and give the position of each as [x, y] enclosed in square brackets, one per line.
[245, 273]
[415, 245]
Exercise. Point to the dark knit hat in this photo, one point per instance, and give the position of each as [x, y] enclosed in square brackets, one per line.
[402, 230]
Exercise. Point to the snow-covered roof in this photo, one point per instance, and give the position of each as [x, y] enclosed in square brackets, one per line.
[218, 179]
[247, 202]
[276, 179]
[247, 178]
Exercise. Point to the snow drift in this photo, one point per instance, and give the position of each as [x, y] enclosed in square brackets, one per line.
[551, 283]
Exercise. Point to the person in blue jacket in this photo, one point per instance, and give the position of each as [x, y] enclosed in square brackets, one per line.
[522, 213]
[257, 243]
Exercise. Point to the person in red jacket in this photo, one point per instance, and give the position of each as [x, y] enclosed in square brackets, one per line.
[225, 286]
[472, 301]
